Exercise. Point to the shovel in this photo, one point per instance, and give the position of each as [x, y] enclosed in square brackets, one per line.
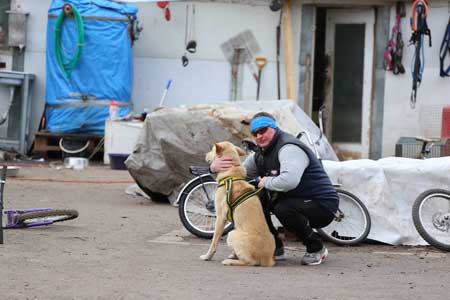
[260, 61]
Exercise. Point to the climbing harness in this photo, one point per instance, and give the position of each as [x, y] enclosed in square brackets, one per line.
[445, 50]
[68, 64]
[420, 29]
[394, 49]
[233, 203]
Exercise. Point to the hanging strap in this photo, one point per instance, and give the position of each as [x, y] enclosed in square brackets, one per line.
[420, 29]
[444, 51]
[394, 49]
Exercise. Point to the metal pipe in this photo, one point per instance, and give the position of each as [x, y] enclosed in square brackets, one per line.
[2, 185]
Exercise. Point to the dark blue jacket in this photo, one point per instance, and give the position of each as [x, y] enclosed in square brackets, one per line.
[314, 184]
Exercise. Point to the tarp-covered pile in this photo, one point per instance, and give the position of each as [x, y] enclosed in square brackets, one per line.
[83, 78]
[174, 139]
[388, 188]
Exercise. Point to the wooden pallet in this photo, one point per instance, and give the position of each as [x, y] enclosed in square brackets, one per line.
[46, 144]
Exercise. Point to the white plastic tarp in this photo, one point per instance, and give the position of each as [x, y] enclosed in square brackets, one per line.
[172, 139]
[388, 187]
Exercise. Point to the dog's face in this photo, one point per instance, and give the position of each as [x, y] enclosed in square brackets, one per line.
[225, 149]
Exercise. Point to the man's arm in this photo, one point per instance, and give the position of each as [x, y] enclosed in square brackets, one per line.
[250, 165]
[293, 162]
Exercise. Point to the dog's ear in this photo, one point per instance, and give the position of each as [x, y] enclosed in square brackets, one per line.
[240, 151]
[219, 148]
[211, 154]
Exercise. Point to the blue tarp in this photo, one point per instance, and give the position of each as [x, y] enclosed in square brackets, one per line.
[103, 73]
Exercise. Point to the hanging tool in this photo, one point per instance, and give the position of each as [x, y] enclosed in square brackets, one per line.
[420, 29]
[191, 46]
[260, 61]
[276, 5]
[394, 49]
[278, 54]
[445, 50]
[184, 58]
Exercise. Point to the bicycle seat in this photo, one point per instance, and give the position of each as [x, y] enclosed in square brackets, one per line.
[199, 170]
[427, 140]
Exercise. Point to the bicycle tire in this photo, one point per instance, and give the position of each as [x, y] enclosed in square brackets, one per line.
[194, 215]
[422, 221]
[346, 232]
[43, 217]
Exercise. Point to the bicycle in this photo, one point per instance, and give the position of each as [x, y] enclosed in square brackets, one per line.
[352, 222]
[431, 209]
[431, 217]
[427, 145]
[30, 217]
[351, 225]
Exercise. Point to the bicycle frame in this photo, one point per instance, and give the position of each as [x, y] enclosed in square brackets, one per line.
[12, 220]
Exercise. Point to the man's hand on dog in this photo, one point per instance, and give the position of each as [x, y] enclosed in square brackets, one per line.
[261, 181]
[221, 163]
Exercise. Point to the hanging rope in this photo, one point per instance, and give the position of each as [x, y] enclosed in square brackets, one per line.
[445, 50]
[420, 29]
[67, 64]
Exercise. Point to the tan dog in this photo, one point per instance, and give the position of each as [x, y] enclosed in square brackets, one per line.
[251, 241]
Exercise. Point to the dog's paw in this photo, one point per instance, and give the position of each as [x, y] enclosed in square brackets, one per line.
[232, 256]
[205, 257]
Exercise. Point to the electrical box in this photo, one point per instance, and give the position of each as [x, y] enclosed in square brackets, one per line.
[17, 23]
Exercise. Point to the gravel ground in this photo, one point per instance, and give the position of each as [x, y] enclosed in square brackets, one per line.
[128, 247]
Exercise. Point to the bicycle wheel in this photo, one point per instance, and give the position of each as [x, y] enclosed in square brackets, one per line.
[431, 217]
[352, 226]
[46, 217]
[196, 207]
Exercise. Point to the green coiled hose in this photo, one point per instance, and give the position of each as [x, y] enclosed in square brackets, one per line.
[68, 64]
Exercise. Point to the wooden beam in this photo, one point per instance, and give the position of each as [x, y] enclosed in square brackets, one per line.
[288, 50]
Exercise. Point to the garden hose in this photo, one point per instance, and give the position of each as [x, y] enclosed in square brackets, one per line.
[68, 64]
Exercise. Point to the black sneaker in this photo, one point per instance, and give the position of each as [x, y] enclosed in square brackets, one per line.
[279, 254]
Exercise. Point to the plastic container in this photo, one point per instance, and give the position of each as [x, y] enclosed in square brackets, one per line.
[113, 111]
[445, 129]
[117, 161]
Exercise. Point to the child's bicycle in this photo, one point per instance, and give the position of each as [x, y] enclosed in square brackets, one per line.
[31, 217]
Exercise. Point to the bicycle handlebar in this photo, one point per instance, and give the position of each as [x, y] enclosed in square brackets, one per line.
[310, 141]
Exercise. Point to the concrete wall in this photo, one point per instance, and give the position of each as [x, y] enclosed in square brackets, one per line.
[157, 57]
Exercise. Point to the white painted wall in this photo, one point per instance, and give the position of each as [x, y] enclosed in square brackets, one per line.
[157, 54]
[207, 78]
[434, 92]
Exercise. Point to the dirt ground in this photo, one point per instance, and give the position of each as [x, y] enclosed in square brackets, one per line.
[127, 247]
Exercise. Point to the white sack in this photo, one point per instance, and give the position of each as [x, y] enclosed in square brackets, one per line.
[172, 139]
[388, 187]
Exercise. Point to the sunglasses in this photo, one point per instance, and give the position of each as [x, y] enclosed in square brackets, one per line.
[259, 131]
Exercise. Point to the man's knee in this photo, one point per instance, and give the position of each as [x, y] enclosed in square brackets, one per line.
[283, 211]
